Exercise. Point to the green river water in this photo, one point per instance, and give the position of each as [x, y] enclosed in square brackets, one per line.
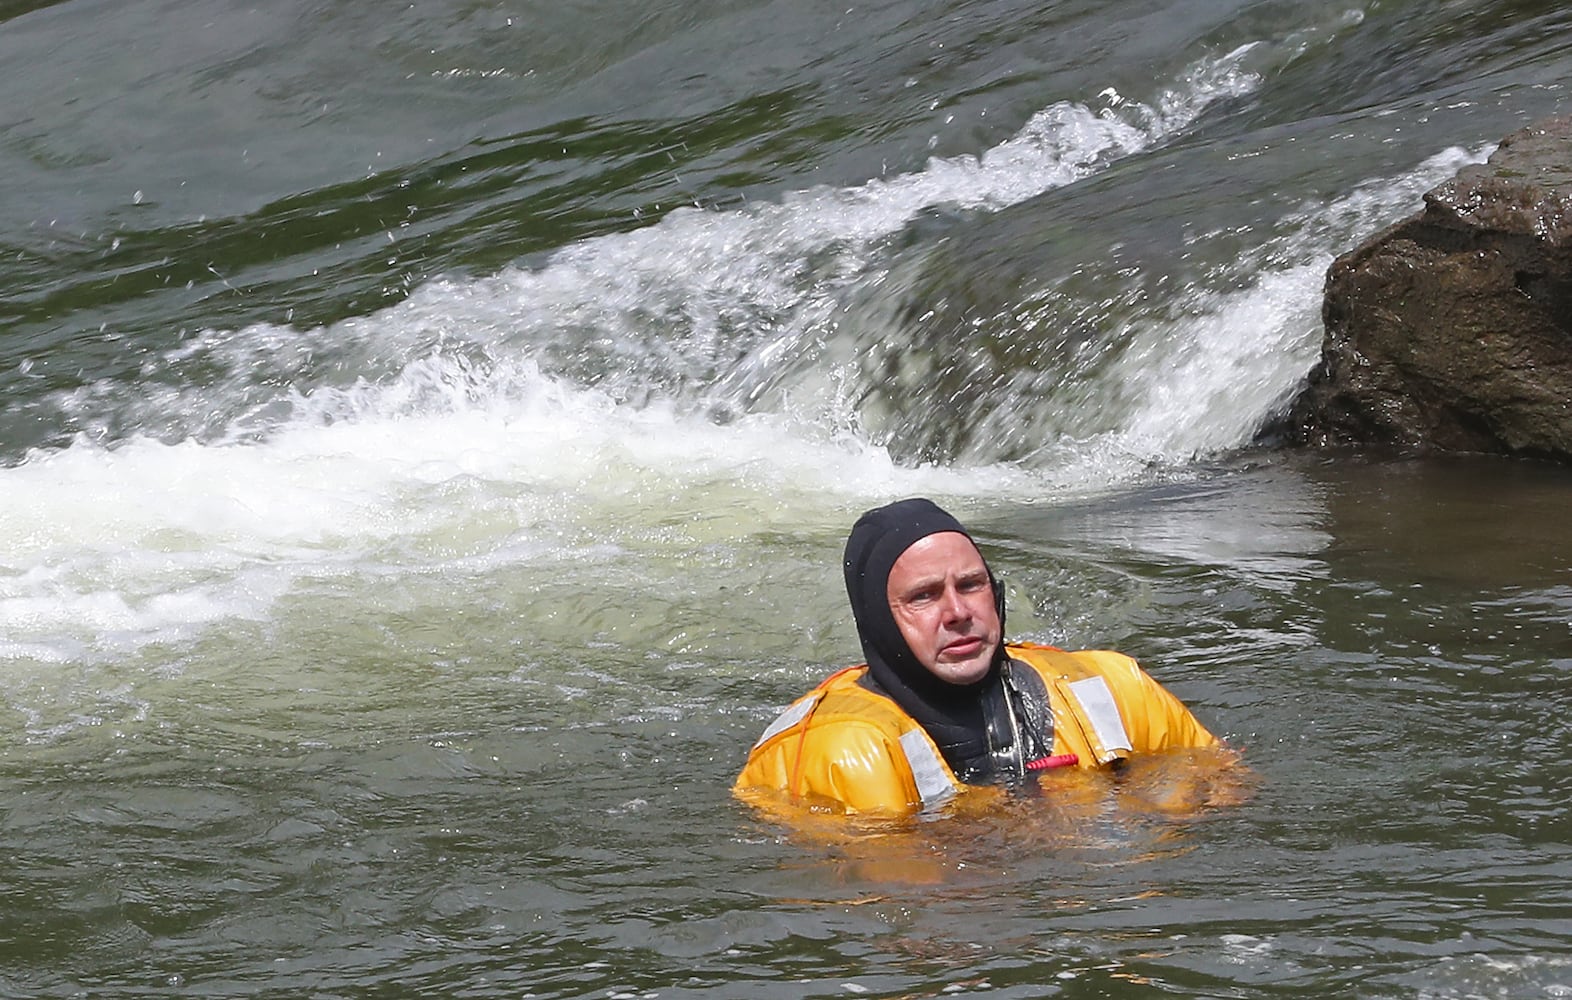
[428, 435]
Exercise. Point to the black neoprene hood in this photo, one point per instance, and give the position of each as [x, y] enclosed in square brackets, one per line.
[876, 542]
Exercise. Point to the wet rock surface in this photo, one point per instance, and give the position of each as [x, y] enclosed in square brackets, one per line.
[1452, 330]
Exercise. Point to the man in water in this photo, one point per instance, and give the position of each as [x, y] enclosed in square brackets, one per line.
[942, 702]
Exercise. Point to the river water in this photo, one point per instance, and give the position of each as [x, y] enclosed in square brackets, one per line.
[428, 434]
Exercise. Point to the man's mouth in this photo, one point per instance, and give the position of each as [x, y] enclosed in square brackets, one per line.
[962, 648]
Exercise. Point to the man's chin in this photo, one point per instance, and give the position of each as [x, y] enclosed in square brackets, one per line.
[962, 672]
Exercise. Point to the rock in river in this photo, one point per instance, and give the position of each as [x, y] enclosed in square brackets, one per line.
[1452, 330]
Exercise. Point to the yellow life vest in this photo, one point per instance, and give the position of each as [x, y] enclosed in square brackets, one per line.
[844, 747]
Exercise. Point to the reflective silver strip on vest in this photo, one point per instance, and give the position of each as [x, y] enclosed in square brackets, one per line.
[933, 783]
[793, 715]
[1097, 703]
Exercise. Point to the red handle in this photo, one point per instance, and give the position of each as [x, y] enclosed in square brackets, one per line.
[1057, 760]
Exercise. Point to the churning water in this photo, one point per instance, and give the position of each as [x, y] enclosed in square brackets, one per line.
[428, 437]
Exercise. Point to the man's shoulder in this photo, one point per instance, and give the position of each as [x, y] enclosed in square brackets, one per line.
[841, 707]
[841, 742]
[846, 699]
[1069, 664]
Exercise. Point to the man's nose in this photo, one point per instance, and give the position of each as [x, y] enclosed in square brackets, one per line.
[955, 609]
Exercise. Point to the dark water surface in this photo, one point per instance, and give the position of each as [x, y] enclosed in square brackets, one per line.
[427, 436]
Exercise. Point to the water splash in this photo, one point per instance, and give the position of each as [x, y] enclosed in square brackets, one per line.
[673, 311]
[546, 416]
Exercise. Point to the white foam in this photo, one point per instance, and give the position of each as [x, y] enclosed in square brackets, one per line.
[427, 437]
[667, 309]
[152, 542]
[1201, 384]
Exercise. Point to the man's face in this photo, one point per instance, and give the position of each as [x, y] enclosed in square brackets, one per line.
[942, 600]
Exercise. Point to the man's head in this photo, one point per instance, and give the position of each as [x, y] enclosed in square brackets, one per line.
[926, 606]
[941, 596]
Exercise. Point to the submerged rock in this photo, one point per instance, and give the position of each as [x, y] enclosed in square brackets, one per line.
[1452, 330]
